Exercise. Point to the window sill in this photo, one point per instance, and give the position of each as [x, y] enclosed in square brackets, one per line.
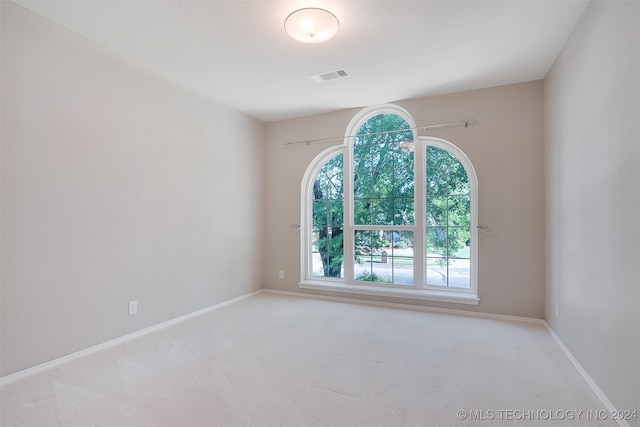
[427, 295]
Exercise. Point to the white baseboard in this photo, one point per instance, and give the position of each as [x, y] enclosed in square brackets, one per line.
[7, 379]
[586, 377]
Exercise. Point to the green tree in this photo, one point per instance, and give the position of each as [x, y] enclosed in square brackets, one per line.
[448, 204]
[328, 216]
[383, 194]
[383, 184]
[383, 177]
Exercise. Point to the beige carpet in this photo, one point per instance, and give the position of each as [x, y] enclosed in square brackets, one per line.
[278, 360]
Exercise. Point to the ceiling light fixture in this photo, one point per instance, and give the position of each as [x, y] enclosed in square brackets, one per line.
[311, 25]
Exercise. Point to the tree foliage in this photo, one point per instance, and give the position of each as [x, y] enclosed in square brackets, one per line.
[328, 216]
[383, 194]
[383, 172]
[448, 204]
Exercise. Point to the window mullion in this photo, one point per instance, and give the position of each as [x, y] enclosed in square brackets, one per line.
[419, 256]
[348, 218]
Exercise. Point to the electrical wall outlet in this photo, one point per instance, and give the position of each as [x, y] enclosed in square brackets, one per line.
[133, 307]
[557, 310]
[281, 275]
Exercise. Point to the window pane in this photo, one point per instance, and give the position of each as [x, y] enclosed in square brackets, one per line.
[459, 273]
[437, 210]
[362, 211]
[361, 156]
[457, 178]
[454, 273]
[457, 242]
[319, 212]
[364, 248]
[402, 256]
[439, 159]
[383, 171]
[403, 211]
[436, 271]
[403, 157]
[328, 183]
[363, 185]
[381, 211]
[327, 254]
[378, 156]
[436, 183]
[382, 183]
[403, 183]
[448, 216]
[362, 243]
[335, 213]
[384, 256]
[459, 211]
[328, 219]
[436, 241]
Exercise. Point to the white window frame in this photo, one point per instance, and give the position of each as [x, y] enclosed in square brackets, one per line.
[306, 219]
[347, 284]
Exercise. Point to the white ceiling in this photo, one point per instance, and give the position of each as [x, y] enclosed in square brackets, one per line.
[237, 52]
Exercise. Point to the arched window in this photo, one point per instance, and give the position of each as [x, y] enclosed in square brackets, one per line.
[390, 213]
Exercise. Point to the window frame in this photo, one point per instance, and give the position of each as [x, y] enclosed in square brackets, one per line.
[306, 219]
[420, 290]
[349, 221]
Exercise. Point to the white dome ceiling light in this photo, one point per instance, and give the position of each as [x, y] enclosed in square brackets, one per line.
[311, 25]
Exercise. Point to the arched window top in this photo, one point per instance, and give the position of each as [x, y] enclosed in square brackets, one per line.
[455, 154]
[362, 122]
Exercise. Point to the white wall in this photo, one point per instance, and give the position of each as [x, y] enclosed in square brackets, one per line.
[506, 150]
[116, 186]
[592, 133]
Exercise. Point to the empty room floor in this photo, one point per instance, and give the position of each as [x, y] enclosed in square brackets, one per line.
[283, 360]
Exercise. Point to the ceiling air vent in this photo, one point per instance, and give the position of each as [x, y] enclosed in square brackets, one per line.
[329, 75]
